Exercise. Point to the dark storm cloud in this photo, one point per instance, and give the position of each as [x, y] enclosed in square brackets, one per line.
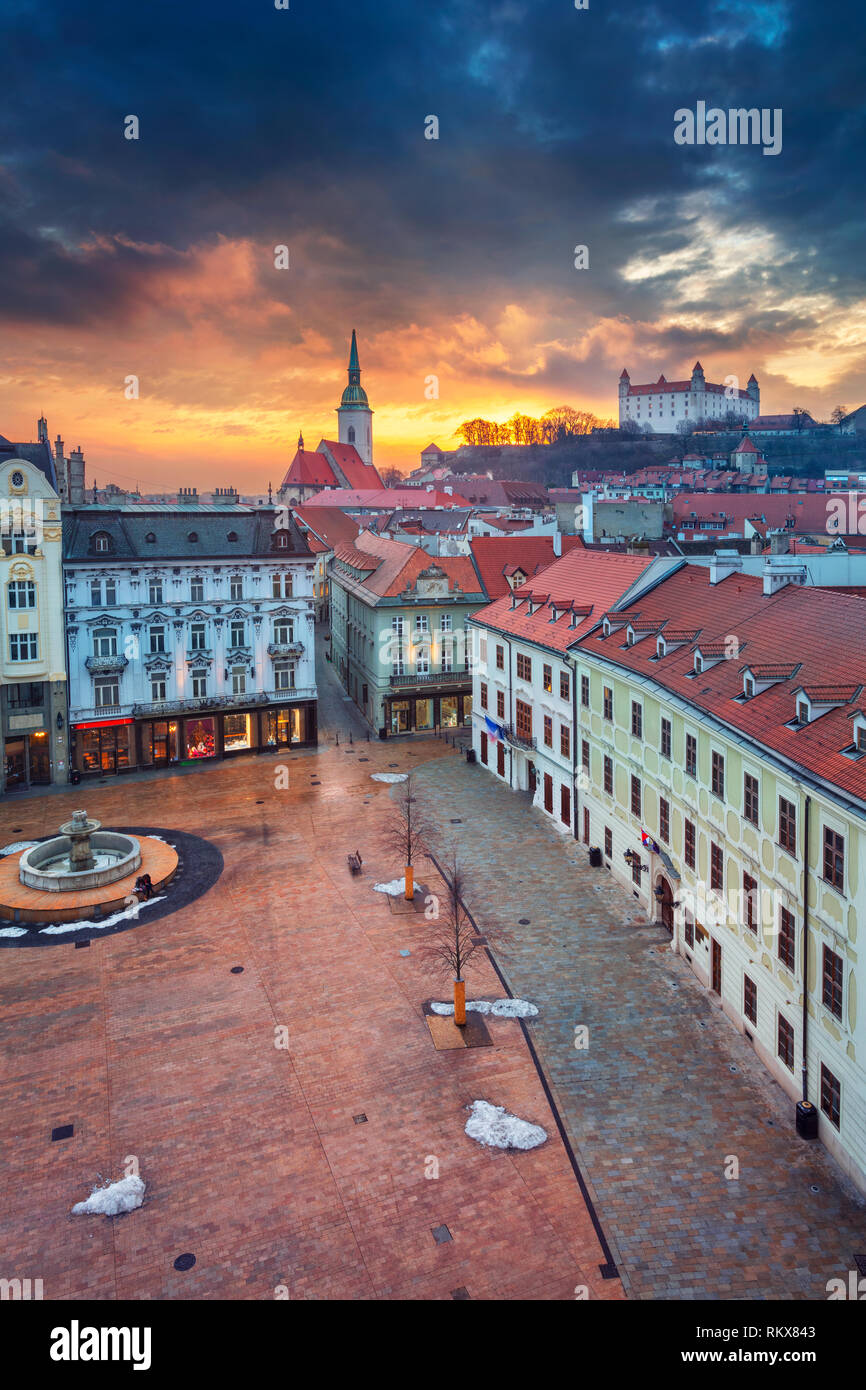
[266, 124]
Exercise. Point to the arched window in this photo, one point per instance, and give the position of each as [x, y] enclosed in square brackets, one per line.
[150, 538]
[192, 535]
[351, 434]
[232, 536]
[101, 541]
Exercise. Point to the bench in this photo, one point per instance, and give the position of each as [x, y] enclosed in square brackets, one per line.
[354, 862]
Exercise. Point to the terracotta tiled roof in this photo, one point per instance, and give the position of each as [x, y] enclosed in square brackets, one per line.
[591, 580]
[396, 565]
[386, 498]
[309, 469]
[496, 556]
[327, 526]
[356, 472]
[819, 629]
[780, 671]
[830, 694]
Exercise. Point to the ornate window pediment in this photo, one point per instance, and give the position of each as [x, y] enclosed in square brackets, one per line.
[159, 661]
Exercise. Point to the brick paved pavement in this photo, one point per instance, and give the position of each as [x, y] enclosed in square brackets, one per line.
[652, 1107]
[152, 1047]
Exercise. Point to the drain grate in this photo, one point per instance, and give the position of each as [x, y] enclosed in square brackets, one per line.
[80, 945]
[237, 970]
[360, 1119]
[441, 1235]
[184, 1261]
[457, 822]
[62, 1132]
[523, 921]
[260, 803]
[459, 1293]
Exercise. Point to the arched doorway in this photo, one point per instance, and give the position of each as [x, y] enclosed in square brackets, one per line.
[665, 899]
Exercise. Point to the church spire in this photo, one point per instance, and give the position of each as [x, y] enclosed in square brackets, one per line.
[354, 363]
[301, 442]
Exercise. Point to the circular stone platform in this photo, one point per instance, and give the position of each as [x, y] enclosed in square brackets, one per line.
[21, 904]
[182, 867]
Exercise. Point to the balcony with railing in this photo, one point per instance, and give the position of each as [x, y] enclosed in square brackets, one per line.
[106, 665]
[461, 679]
[518, 738]
[281, 651]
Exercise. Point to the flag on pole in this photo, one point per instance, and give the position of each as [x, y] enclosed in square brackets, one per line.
[493, 730]
[649, 842]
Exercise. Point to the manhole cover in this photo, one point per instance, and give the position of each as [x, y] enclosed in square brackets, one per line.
[523, 921]
[813, 1187]
[733, 1068]
[441, 1234]
[184, 1262]
[360, 1119]
[237, 970]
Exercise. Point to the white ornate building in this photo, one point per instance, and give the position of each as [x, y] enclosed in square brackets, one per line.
[662, 405]
[32, 653]
[190, 634]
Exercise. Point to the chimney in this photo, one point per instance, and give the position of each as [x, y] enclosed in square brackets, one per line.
[76, 477]
[723, 563]
[757, 544]
[780, 542]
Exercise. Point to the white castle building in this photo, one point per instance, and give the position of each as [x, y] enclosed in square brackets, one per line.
[662, 404]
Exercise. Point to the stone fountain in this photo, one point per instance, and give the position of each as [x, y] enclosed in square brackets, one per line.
[82, 856]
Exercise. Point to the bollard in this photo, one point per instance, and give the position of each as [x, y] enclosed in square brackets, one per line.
[337, 736]
[351, 740]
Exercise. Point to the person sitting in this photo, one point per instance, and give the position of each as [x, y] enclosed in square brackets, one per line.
[144, 886]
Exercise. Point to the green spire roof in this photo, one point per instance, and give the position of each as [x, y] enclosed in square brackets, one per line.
[354, 395]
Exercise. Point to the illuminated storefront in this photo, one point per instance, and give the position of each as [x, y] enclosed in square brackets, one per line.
[200, 738]
[423, 714]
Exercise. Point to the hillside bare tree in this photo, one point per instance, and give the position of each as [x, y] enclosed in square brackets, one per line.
[407, 833]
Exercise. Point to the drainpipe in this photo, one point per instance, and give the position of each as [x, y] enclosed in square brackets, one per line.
[575, 831]
[806, 942]
[510, 721]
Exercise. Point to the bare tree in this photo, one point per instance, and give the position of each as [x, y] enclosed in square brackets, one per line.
[838, 416]
[453, 939]
[407, 833]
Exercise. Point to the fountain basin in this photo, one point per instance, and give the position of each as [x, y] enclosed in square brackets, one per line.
[46, 866]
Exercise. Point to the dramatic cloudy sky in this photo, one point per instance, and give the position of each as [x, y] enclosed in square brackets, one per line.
[451, 257]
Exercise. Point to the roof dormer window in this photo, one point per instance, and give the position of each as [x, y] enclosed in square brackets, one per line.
[748, 687]
[660, 647]
[802, 711]
[102, 542]
[699, 663]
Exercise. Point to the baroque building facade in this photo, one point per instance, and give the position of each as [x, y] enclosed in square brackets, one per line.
[33, 691]
[398, 633]
[717, 738]
[190, 634]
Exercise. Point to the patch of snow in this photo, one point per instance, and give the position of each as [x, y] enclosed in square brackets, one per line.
[16, 846]
[389, 776]
[131, 911]
[393, 889]
[113, 1198]
[13, 931]
[493, 1126]
[499, 1008]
